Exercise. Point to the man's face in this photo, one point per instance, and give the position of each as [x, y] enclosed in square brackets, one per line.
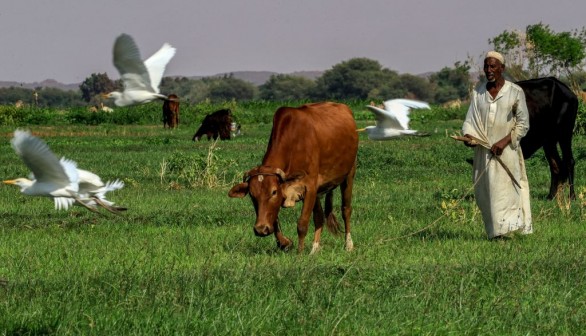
[493, 69]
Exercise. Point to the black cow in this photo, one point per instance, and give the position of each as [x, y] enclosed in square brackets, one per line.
[552, 115]
[216, 124]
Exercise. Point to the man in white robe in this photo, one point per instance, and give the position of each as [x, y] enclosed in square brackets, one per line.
[498, 118]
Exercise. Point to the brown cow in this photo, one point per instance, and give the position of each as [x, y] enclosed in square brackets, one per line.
[171, 111]
[311, 151]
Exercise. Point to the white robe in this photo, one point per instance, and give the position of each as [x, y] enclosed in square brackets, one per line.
[505, 208]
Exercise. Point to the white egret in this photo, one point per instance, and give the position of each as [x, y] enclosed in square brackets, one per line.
[58, 179]
[92, 191]
[393, 120]
[141, 79]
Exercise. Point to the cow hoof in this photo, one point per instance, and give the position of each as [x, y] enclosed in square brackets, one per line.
[315, 248]
[286, 245]
[349, 243]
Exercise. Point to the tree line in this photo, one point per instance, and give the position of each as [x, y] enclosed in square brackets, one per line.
[357, 78]
[536, 52]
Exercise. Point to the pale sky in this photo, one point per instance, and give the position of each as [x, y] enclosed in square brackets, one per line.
[67, 40]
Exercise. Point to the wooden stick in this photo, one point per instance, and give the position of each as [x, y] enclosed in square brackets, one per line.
[475, 141]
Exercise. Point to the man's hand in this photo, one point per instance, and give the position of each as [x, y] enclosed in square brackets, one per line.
[499, 146]
[470, 142]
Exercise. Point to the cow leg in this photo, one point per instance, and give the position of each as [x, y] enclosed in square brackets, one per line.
[303, 222]
[318, 221]
[283, 242]
[568, 163]
[554, 160]
[346, 188]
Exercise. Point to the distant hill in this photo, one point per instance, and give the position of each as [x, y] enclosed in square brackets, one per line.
[49, 83]
[260, 77]
[254, 77]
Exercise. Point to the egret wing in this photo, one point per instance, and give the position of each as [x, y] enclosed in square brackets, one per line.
[400, 108]
[70, 168]
[384, 119]
[110, 186]
[37, 156]
[88, 181]
[127, 60]
[63, 203]
[156, 64]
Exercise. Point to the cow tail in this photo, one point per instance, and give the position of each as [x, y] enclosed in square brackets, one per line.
[333, 226]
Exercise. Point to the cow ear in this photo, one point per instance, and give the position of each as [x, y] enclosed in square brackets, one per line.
[292, 192]
[238, 191]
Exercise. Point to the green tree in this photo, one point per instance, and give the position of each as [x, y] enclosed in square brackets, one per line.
[417, 87]
[198, 91]
[176, 85]
[10, 95]
[286, 87]
[451, 83]
[52, 97]
[45, 96]
[97, 83]
[540, 51]
[358, 78]
[227, 88]
[555, 52]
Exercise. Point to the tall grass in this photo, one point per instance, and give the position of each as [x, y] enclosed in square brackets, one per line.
[184, 260]
[248, 112]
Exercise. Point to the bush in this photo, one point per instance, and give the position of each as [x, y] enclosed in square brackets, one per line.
[196, 169]
[191, 115]
[85, 117]
[10, 115]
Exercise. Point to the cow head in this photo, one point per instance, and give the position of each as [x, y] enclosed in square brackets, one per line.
[269, 189]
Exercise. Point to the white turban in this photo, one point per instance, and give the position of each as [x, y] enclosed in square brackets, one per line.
[496, 55]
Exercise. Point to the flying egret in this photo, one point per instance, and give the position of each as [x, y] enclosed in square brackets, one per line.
[393, 120]
[58, 179]
[141, 79]
[92, 191]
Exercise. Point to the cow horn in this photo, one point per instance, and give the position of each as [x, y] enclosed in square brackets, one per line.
[281, 174]
[246, 176]
[250, 174]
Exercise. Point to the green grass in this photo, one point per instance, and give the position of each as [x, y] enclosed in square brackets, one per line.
[184, 260]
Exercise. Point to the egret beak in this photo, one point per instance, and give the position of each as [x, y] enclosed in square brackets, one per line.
[9, 182]
[105, 95]
[361, 130]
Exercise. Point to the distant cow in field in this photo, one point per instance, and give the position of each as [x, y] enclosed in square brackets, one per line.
[311, 151]
[171, 111]
[552, 115]
[216, 124]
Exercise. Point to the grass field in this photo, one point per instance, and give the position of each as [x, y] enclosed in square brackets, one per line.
[184, 260]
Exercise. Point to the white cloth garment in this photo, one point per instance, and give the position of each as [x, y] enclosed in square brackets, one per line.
[505, 208]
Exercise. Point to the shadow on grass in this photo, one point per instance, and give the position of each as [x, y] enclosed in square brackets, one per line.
[69, 220]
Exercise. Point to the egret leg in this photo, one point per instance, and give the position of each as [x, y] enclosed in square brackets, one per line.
[107, 207]
[78, 200]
